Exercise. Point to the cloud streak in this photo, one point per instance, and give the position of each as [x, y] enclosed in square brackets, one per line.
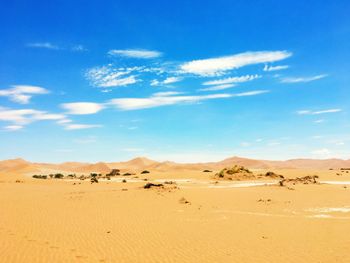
[308, 112]
[275, 68]
[157, 101]
[232, 80]
[168, 80]
[303, 79]
[81, 126]
[22, 93]
[218, 66]
[26, 116]
[45, 45]
[82, 108]
[135, 53]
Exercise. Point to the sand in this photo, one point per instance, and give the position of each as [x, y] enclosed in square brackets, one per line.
[75, 221]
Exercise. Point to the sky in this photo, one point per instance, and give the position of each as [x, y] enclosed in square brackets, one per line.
[187, 81]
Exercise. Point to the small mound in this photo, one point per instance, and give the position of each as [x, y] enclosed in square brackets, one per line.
[272, 175]
[310, 179]
[235, 173]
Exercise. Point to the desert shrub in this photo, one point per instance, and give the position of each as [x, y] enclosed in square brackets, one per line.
[150, 185]
[39, 176]
[207, 171]
[145, 172]
[58, 176]
[93, 179]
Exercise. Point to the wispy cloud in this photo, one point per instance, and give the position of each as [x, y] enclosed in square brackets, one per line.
[308, 112]
[217, 66]
[79, 48]
[82, 108]
[135, 53]
[26, 116]
[319, 121]
[218, 87]
[46, 45]
[166, 93]
[232, 80]
[107, 76]
[22, 93]
[275, 68]
[303, 79]
[13, 127]
[250, 93]
[168, 80]
[157, 101]
[81, 126]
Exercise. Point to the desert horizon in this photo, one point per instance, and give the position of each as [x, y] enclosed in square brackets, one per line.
[174, 131]
[141, 210]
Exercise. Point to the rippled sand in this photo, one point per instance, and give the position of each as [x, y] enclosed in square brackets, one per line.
[74, 221]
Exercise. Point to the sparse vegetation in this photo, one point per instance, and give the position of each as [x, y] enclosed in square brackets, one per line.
[207, 171]
[114, 172]
[58, 176]
[150, 185]
[39, 176]
[145, 172]
[234, 173]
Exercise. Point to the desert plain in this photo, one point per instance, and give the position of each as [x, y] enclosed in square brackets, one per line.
[188, 215]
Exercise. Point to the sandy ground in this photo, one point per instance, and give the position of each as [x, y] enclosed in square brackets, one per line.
[73, 221]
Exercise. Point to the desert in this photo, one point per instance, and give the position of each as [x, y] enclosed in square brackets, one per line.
[184, 215]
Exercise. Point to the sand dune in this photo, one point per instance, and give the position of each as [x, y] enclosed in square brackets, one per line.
[21, 166]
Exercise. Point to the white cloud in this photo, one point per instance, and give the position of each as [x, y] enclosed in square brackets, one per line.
[232, 80]
[26, 116]
[275, 68]
[168, 80]
[308, 112]
[303, 79]
[135, 53]
[172, 80]
[250, 93]
[319, 121]
[79, 48]
[156, 100]
[82, 108]
[64, 121]
[107, 76]
[166, 93]
[46, 45]
[81, 126]
[22, 93]
[218, 87]
[217, 66]
[13, 127]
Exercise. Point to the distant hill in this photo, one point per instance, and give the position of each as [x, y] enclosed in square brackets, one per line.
[20, 166]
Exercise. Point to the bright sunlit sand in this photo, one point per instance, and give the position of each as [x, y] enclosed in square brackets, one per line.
[174, 131]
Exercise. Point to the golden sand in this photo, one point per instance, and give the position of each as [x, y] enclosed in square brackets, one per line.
[75, 221]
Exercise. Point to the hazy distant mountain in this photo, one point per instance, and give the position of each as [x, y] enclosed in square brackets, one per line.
[20, 166]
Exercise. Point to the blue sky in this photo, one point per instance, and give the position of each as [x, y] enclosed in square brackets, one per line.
[179, 80]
